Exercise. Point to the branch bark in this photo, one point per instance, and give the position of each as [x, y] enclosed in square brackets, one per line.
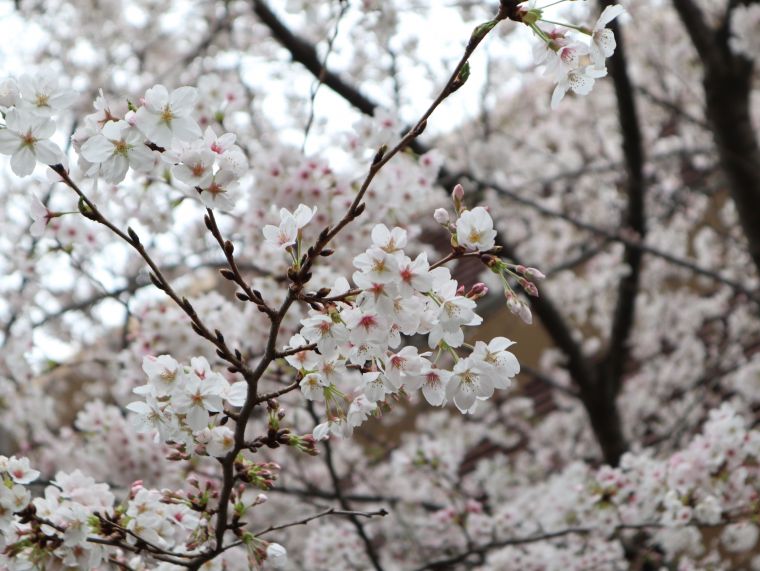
[727, 83]
[612, 366]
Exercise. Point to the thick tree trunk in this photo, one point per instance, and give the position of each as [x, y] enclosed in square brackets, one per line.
[727, 95]
[728, 86]
[604, 415]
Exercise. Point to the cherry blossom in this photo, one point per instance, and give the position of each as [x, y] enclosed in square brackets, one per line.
[467, 384]
[475, 229]
[219, 191]
[287, 232]
[41, 217]
[277, 556]
[603, 40]
[312, 386]
[580, 80]
[166, 116]
[25, 139]
[42, 95]
[117, 147]
[244, 370]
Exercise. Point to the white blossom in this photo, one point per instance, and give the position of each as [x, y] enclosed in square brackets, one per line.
[25, 138]
[603, 40]
[475, 229]
[165, 116]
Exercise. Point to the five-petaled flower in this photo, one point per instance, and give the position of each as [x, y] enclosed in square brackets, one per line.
[164, 117]
[25, 138]
[475, 229]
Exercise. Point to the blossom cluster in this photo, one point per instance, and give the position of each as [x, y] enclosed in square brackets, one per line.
[396, 297]
[692, 503]
[179, 402]
[160, 133]
[78, 523]
[28, 106]
[574, 62]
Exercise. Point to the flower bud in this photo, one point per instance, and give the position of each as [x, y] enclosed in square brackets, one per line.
[529, 287]
[512, 301]
[457, 195]
[477, 291]
[277, 555]
[525, 314]
[534, 274]
[441, 216]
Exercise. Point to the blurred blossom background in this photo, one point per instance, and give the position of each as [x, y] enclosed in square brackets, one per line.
[627, 441]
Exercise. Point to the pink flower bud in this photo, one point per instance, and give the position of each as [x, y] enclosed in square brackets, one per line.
[534, 274]
[441, 216]
[529, 287]
[477, 291]
[525, 314]
[458, 193]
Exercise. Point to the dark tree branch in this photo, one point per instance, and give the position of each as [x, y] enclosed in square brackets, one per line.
[325, 513]
[728, 87]
[613, 363]
[701, 35]
[616, 236]
[447, 563]
[304, 53]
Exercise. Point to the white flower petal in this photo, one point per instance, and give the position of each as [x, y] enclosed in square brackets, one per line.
[23, 161]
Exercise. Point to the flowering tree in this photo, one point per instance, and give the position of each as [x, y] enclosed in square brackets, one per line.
[246, 294]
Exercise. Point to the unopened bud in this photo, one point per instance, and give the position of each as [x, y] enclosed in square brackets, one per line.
[477, 291]
[513, 304]
[457, 195]
[492, 262]
[441, 216]
[529, 287]
[525, 314]
[534, 274]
